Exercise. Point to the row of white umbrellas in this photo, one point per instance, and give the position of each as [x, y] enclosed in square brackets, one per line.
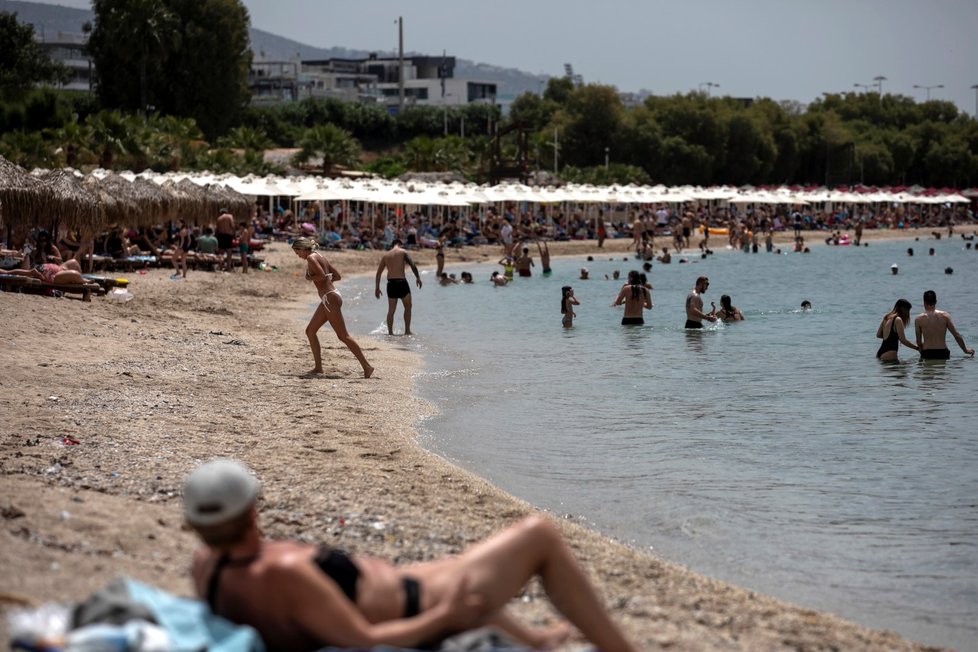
[418, 193]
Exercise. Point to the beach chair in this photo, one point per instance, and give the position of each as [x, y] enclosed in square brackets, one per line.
[28, 285]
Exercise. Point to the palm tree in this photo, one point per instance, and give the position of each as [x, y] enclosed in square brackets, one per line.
[247, 138]
[334, 145]
[111, 135]
[74, 139]
[419, 154]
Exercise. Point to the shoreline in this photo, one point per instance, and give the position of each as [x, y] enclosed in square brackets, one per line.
[211, 366]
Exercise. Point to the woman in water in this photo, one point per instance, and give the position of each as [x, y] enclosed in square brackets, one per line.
[567, 303]
[728, 312]
[323, 275]
[636, 298]
[892, 333]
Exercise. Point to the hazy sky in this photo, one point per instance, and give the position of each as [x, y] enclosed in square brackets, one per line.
[783, 49]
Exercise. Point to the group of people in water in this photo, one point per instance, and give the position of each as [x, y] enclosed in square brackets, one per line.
[635, 295]
[930, 328]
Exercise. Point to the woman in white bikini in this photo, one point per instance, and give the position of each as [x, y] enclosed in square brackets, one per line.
[323, 275]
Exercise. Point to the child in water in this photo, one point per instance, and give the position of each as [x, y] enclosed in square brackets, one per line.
[567, 301]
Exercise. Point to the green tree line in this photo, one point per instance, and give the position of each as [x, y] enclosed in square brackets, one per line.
[171, 93]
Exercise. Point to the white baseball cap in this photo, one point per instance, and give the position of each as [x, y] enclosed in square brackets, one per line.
[218, 491]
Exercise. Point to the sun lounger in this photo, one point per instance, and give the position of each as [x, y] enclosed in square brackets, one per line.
[132, 263]
[10, 282]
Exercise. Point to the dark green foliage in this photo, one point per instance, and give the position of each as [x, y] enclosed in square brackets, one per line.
[22, 62]
[181, 57]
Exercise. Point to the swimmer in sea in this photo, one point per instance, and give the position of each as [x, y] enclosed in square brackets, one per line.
[931, 328]
[636, 298]
[891, 331]
[728, 312]
[544, 258]
[694, 305]
[567, 303]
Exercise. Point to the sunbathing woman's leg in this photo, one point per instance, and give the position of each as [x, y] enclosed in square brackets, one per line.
[335, 317]
[30, 273]
[501, 565]
[317, 321]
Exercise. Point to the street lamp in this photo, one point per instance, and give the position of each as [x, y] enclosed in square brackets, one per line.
[606, 152]
[865, 87]
[928, 88]
[975, 86]
[879, 79]
[708, 85]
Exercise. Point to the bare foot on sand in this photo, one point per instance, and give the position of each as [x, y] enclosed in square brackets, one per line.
[318, 371]
[368, 371]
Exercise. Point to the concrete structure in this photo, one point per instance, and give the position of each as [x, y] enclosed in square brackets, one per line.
[428, 81]
[69, 50]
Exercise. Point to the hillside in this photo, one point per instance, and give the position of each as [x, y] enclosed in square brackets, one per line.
[48, 19]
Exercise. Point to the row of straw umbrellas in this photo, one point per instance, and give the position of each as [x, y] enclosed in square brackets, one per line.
[91, 202]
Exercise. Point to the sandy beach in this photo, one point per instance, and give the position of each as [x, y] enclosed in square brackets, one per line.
[213, 366]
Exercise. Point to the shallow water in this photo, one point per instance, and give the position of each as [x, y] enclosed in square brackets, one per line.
[776, 453]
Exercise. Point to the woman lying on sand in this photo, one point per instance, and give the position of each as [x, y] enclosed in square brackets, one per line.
[303, 597]
[322, 274]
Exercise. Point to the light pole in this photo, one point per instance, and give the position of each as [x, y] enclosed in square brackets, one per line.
[708, 85]
[879, 79]
[928, 88]
[607, 150]
[865, 87]
[975, 86]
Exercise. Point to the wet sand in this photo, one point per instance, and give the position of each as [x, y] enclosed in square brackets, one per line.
[213, 366]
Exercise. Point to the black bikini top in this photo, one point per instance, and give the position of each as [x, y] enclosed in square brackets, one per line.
[335, 564]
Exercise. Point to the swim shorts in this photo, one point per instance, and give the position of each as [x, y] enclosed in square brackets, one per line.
[525, 272]
[935, 354]
[632, 321]
[224, 241]
[397, 288]
[693, 324]
[49, 271]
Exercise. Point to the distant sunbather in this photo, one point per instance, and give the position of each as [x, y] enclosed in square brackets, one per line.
[300, 597]
[67, 273]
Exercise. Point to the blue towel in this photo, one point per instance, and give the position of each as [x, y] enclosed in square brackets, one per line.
[191, 625]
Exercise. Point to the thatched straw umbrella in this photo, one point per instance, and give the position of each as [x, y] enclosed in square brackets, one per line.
[193, 206]
[222, 196]
[21, 196]
[155, 205]
[68, 202]
[116, 207]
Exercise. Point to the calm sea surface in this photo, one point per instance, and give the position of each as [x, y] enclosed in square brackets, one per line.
[776, 453]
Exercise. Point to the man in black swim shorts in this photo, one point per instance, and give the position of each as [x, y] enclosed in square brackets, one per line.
[694, 305]
[932, 327]
[396, 261]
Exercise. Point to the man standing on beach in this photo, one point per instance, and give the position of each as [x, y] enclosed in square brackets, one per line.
[932, 327]
[395, 261]
[694, 305]
[225, 236]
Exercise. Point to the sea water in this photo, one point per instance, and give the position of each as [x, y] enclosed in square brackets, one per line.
[775, 453]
